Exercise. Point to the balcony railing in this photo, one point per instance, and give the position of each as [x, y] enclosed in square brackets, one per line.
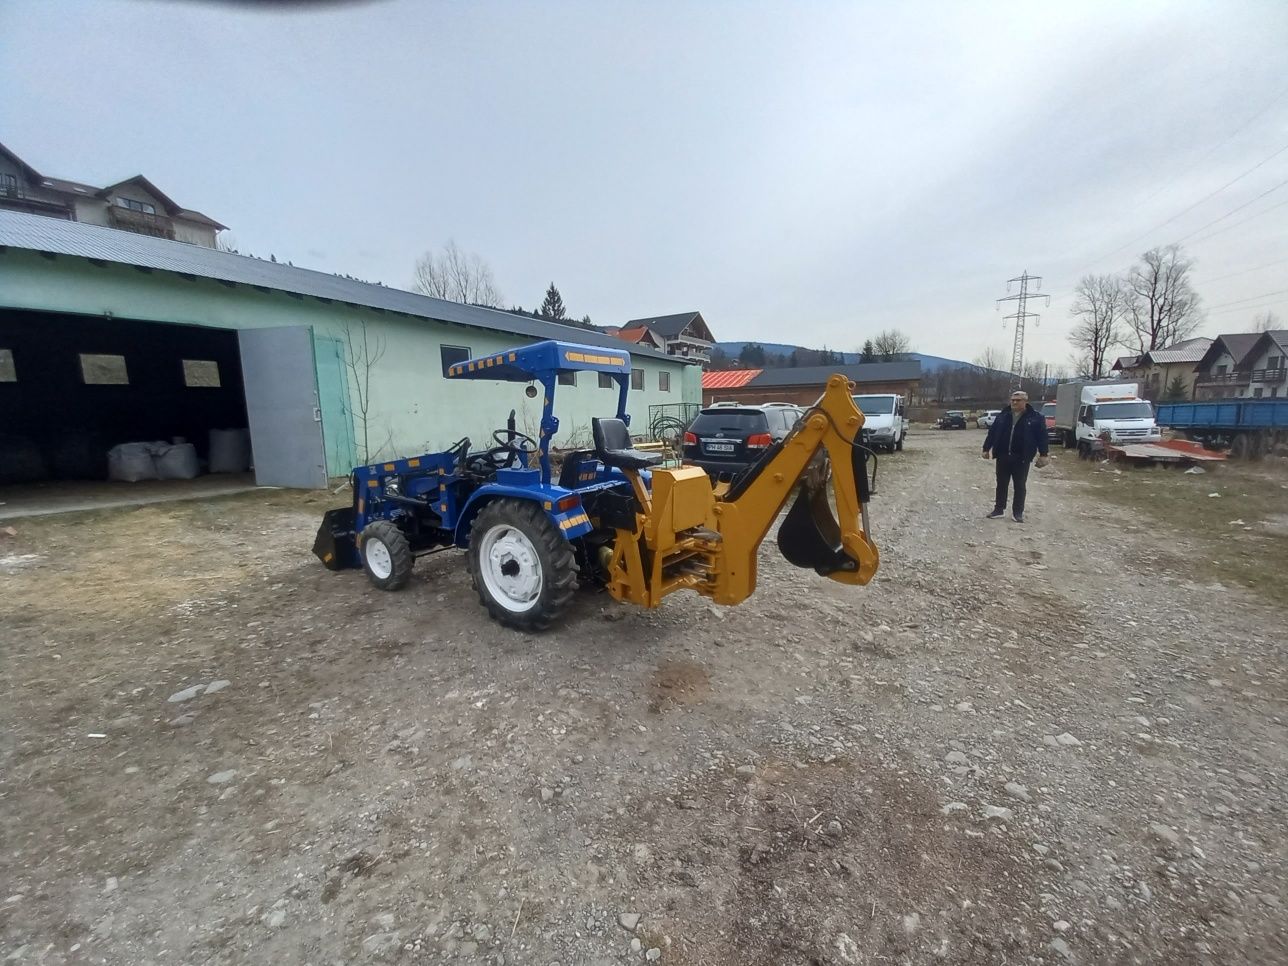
[1243, 378]
[143, 222]
[1223, 379]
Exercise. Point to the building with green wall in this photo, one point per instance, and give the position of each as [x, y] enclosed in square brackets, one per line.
[373, 383]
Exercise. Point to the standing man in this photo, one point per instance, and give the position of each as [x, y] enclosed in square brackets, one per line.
[1016, 436]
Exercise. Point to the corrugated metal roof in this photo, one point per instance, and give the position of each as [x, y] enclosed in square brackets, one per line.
[729, 378]
[817, 375]
[1191, 350]
[40, 234]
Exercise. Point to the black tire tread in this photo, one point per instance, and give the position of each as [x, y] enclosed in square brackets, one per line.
[559, 582]
[399, 554]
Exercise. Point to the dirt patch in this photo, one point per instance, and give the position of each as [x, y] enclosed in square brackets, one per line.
[1017, 742]
[678, 684]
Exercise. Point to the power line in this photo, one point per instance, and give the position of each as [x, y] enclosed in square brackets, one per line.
[1251, 308]
[1216, 147]
[1243, 221]
[1245, 271]
[1233, 211]
[1205, 198]
[1250, 298]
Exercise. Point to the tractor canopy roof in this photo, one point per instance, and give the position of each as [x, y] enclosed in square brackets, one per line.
[542, 359]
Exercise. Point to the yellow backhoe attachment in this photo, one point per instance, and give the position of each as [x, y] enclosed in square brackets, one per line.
[688, 535]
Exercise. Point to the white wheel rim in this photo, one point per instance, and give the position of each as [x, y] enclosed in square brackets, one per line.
[510, 568]
[379, 560]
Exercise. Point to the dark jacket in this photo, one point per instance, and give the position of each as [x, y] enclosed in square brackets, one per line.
[1031, 436]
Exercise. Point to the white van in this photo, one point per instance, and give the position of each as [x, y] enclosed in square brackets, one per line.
[885, 421]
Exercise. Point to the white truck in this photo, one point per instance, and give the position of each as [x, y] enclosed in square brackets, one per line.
[1088, 412]
[885, 420]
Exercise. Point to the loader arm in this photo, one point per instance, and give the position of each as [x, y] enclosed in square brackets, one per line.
[689, 536]
[839, 548]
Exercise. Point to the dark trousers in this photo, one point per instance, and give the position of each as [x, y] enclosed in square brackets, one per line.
[1011, 469]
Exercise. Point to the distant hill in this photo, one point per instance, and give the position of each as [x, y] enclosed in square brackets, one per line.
[928, 363]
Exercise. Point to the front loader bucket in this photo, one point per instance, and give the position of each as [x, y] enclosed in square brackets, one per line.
[335, 544]
[810, 536]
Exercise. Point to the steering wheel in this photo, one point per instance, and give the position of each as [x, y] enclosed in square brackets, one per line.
[511, 447]
[513, 437]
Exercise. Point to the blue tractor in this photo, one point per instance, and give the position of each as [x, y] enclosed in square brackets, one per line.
[613, 518]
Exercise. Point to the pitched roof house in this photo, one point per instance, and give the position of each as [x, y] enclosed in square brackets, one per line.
[135, 204]
[1244, 365]
[1158, 369]
[683, 334]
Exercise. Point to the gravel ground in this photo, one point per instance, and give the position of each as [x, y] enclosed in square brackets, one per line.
[1019, 744]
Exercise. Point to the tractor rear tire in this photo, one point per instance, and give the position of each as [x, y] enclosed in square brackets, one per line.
[523, 568]
[386, 555]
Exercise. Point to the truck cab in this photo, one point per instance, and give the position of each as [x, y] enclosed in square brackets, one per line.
[1124, 420]
[885, 422]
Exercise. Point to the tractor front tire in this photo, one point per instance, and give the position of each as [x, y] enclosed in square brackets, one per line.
[523, 568]
[386, 555]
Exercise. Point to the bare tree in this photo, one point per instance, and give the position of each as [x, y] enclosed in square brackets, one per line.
[1266, 321]
[364, 352]
[1099, 304]
[1162, 306]
[891, 345]
[989, 377]
[456, 276]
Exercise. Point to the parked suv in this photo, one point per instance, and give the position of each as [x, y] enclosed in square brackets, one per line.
[724, 440]
[953, 419]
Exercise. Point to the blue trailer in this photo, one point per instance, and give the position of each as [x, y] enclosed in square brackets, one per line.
[1248, 428]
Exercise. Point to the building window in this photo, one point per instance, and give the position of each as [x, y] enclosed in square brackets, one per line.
[1274, 362]
[664, 382]
[1221, 369]
[637, 378]
[1274, 392]
[567, 378]
[453, 355]
[1256, 393]
[103, 370]
[8, 184]
[7, 372]
[133, 205]
[605, 381]
[201, 374]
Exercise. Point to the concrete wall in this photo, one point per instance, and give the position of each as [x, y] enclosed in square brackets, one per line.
[193, 233]
[413, 407]
[92, 211]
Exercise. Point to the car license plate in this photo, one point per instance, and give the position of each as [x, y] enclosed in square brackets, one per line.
[719, 447]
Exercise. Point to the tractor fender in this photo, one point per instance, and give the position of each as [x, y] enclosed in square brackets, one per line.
[571, 520]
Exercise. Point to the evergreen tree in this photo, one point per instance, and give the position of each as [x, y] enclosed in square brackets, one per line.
[752, 356]
[1175, 391]
[794, 359]
[553, 306]
[869, 354]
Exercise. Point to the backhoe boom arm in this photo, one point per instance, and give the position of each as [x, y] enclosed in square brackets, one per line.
[689, 536]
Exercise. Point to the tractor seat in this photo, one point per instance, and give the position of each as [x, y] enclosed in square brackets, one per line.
[613, 446]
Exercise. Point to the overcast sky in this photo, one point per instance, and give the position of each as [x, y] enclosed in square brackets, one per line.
[799, 172]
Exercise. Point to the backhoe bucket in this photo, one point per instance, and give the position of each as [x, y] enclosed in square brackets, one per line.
[810, 536]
